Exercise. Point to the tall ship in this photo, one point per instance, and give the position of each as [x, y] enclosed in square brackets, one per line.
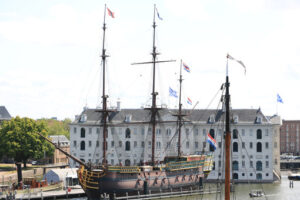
[156, 174]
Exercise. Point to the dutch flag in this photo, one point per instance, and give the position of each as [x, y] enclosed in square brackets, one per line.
[189, 101]
[186, 68]
[211, 141]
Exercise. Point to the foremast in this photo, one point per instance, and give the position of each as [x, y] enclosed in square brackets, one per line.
[227, 137]
[104, 97]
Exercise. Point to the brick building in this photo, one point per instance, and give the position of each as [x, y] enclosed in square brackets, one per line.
[64, 144]
[290, 137]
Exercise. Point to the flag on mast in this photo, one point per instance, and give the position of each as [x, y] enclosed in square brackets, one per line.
[110, 13]
[172, 93]
[279, 99]
[189, 101]
[158, 14]
[186, 67]
[238, 61]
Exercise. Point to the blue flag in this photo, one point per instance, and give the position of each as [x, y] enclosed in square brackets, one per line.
[158, 14]
[172, 93]
[279, 99]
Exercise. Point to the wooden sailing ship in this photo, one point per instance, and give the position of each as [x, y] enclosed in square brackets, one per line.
[155, 175]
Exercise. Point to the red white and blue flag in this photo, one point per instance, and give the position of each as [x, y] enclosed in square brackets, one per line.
[189, 101]
[110, 13]
[211, 141]
[186, 68]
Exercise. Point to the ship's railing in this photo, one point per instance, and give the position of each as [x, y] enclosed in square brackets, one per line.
[124, 169]
[173, 166]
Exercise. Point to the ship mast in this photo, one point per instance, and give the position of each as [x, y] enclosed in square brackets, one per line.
[104, 109]
[227, 137]
[179, 115]
[154, 109]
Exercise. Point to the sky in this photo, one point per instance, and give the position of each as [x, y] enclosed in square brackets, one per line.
[50, 64]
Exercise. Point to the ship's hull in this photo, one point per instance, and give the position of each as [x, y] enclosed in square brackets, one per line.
[97, 182]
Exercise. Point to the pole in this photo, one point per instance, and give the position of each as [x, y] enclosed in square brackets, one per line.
[227, 138]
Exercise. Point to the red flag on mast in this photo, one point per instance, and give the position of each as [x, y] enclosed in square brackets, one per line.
[110, 13]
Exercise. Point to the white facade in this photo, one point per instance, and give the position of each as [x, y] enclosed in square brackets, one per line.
[254, 142]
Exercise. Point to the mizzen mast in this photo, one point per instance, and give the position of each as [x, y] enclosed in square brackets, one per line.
[154, 109]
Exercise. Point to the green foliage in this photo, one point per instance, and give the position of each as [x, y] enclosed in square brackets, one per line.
[56, 127]
[19, 139]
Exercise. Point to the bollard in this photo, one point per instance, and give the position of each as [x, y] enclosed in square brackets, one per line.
[146, 189]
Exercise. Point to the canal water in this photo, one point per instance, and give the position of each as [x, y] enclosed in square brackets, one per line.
[273, 191]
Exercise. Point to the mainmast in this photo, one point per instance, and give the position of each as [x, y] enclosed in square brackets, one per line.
[154, 109]
[227, 137]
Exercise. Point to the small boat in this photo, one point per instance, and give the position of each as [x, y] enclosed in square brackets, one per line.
[256, 193]
[294, 177]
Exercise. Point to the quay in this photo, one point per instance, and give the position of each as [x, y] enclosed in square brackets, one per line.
[57, 194]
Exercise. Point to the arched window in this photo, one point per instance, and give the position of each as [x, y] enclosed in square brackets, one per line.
[235, 147]
[258, 176]
[127, 146]
[82, 132]
[212, 133]
[236, 176]
[258, 134]
[235, 134]
[82, 145]
[235, 165]
[258, 166]
[127, 133]
[258, 147]
[127, 162]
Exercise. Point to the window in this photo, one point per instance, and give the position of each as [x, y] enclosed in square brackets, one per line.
[258, 176]
[158, 131]
[90, 143]
[196, 132]
[258, 134]
[149, 143]
[187, 132]
[235, 147]
[219, 144]
[74, 143]
[143, 144]
[204, 144]
[187, 145]
[235, 119]
[235, 134]
[243, 132]
[258, 166]
[112, 161]
[98, 130]
[75, 129]
[220, 131]
[243, 145]
[235, 165]
[267, 145]
[135, 144]
[211, 119]
[112, 143]
[267, 132]
[267, 164]
[90, 130]
[196, 145]
[258, 120]
[251, 163]
[235, 176]
[258, 147]
[120, 143]
[251, 145]
[243, 163]
[143, 131]
[127, 146]
[127, 162]
[168, 133]
[204, 132]
[158, 145]
[127, 133]
[82, 132]
[82, 145]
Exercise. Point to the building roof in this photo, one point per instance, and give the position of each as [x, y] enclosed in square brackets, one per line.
[63, 140]
[93, 116]
[4, 114]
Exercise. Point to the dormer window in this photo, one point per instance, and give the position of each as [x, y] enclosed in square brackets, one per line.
[127, 118]
[258, 119]
[212, 119]
[235, 119]
[83, 118]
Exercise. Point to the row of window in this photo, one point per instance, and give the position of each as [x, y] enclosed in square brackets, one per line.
[187, 132]
[259, 165]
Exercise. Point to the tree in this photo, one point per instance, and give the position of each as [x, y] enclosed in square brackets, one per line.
[56, 127]
[19, 139]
